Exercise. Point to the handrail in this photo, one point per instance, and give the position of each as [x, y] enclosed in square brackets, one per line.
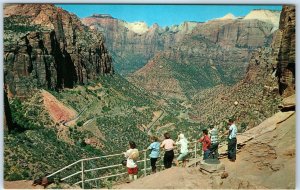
[83, 171]
[71, 175]
[63, 168]
[100, 178]
[106, 167]
[94, 158]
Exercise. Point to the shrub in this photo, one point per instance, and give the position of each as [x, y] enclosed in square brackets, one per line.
[80, 123]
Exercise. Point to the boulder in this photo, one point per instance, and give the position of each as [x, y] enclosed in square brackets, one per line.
[212, 166]
[288, 103]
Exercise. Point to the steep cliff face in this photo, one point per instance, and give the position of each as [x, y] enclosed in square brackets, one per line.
[45, 46]
[134, 44]
[286, 52]
[238, 32]
[268, 16]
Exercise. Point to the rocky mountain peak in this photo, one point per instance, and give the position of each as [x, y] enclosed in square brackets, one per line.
[265, 16]
[228, 16]
[137, 27]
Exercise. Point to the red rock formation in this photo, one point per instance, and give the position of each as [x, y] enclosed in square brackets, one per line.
[54, 50]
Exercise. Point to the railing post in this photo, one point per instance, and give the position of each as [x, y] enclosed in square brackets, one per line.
[82, 174]
[145, 163]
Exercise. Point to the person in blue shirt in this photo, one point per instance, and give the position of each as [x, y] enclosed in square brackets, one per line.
[154, 147]
[232, 140]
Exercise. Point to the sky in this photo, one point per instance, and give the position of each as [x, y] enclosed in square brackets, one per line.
[163, 15]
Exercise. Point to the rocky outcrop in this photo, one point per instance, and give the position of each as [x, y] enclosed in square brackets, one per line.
[237, 32]
[288, 103]
[52, 50]
[286, 53]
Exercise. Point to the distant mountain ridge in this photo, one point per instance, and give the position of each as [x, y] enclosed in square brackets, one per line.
[134, 44]
[270, 16]
[213, 53]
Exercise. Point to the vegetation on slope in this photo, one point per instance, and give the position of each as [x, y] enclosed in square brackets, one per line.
[111, 112]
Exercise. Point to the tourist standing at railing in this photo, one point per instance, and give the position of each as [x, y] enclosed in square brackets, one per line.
[132, 155]
[183, 142]
[154, 147]
[213, 134]
[168, 145]
[205, 140]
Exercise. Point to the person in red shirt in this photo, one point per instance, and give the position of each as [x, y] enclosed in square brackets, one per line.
[205, 140]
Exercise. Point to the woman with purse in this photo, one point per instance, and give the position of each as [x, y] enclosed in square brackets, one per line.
[132, 155]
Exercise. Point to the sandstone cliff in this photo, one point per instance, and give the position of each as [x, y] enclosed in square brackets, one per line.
[230, 33]
[286, 53]
[47, 47]
[133, 44]
[268, 16]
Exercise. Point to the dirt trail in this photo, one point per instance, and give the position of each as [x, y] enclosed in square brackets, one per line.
[158, 115]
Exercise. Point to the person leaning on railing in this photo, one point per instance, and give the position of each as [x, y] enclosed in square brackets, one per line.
[154, 148]
[205, 140]
[183, 142]
[168, 144]
[132, 155]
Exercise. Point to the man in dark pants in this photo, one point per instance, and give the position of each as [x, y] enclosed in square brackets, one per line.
[232, 140]
[213, 134]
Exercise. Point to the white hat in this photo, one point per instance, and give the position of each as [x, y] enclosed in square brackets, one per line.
[181, 136]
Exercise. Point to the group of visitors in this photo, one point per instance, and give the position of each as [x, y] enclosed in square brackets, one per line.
[168, 145]
[209, 140]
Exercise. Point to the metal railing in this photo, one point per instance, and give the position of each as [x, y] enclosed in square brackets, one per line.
[83, 171]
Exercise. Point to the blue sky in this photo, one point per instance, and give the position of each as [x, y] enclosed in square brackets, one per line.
[163, 15]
